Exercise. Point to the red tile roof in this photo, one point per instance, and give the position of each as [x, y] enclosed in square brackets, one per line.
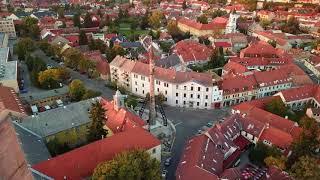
[259, 49]
[192, 51]
[235, 68]
[80, 163]
[222, 44]
[12, 160]
[238, 84]
[217, 23]
[9, 100]
[276, 137]
[300, 93]
[121, 120]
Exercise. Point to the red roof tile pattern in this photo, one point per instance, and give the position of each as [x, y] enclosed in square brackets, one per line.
[121, 120]
[300, 93]
[80, 163]
[12, 161]
[259, 49]
[9, 100]
[192, 51]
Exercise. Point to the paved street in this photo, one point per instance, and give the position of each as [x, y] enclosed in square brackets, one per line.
[305, 69]
[187, 121]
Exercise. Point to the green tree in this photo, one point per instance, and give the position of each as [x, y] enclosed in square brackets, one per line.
[72, 57]
[291, 26]
[273, 43]
[136, 164]
[306, 167]
[76, 20]
[55, 147]
[97, 117]
[60, 12]
[265, 23]
[83, 39]
[76, 90]
[279, 162]
[262, 151]
[87, 23]
[276, 106]
[90, 94]
[202, 19]
[217, 13]
[29, 28]
[144, 23]
[23, 47]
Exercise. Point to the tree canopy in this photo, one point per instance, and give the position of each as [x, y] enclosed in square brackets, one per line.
[276, 106]
[155, 19]
[306, 167]
[76, 90]
[23, 47]
[202, 19]
[136, 164]
[97, 117]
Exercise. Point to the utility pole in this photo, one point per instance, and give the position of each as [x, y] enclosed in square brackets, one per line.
[152, 104]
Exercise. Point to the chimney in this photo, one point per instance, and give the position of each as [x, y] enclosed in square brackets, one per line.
[267, 125]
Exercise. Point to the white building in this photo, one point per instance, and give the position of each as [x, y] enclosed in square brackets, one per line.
[7, 26]
[182, 89]
[8, 70]
[232, 23]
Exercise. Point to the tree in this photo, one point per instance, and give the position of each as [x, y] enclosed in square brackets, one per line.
[24, 46]
[98, 45]
[114, 51]
[306, 167]
[279, 162]
[155, 19]
[60, 12]
[131, 101]
[217, 59]
[264, 23]
[184, 5]
[172, 28]
[48, 79]
[76, 90]
[276, 106]
[144, 23]
[291, 26]
[29, 28]
[273, 43]
[202, 19]
[90, 94]
[87, 23]
[135, 164]
[308, 142]
[76, 20]
[262, 151]
[83, 39]
[218, 13]
[72, 57]
[97, 117]
[165, 46]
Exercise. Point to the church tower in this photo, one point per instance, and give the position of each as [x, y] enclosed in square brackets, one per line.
[232, 23]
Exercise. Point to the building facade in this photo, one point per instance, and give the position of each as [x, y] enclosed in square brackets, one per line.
[7, 26]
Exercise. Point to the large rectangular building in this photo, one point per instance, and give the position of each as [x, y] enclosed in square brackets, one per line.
[7, 26]
[8, 70]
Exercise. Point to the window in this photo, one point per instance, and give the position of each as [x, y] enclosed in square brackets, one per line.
[205, 104]
[198, 96]
[184, 95]
[191, 88]
[198, 103]
[199, 88]
[135, 76]
[158, 89]
[207, 89]
[191, 95]
[185, 87]
[166, 84]
[177, 94]
[142, 78]
[154, 151]
[177, 86]
[184, 102]
[165, 92]
[136, 90]
[142, 85]
[157, 82]
[177, 101]
[206, 96]
[143, 92]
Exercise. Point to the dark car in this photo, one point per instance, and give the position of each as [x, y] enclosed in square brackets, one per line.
[167, 162]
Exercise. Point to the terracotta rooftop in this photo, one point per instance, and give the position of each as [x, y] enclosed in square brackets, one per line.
[80, 163]
[10, 100]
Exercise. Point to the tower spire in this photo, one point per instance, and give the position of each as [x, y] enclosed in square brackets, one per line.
[152, 104]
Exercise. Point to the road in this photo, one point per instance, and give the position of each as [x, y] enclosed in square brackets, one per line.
[305, 69]
[93, 84]
[187, 121]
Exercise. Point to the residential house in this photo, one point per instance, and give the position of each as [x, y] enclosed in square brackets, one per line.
[313, 64]
[238, 41]
[192, 52]
[216, 26]
[183, 89]
[7, 26]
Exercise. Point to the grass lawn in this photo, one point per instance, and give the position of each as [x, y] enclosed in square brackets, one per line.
[124, 28]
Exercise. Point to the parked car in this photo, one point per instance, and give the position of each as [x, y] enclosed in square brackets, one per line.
[209, 124]
[49, 66]
[164, 174]
[167, 162]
